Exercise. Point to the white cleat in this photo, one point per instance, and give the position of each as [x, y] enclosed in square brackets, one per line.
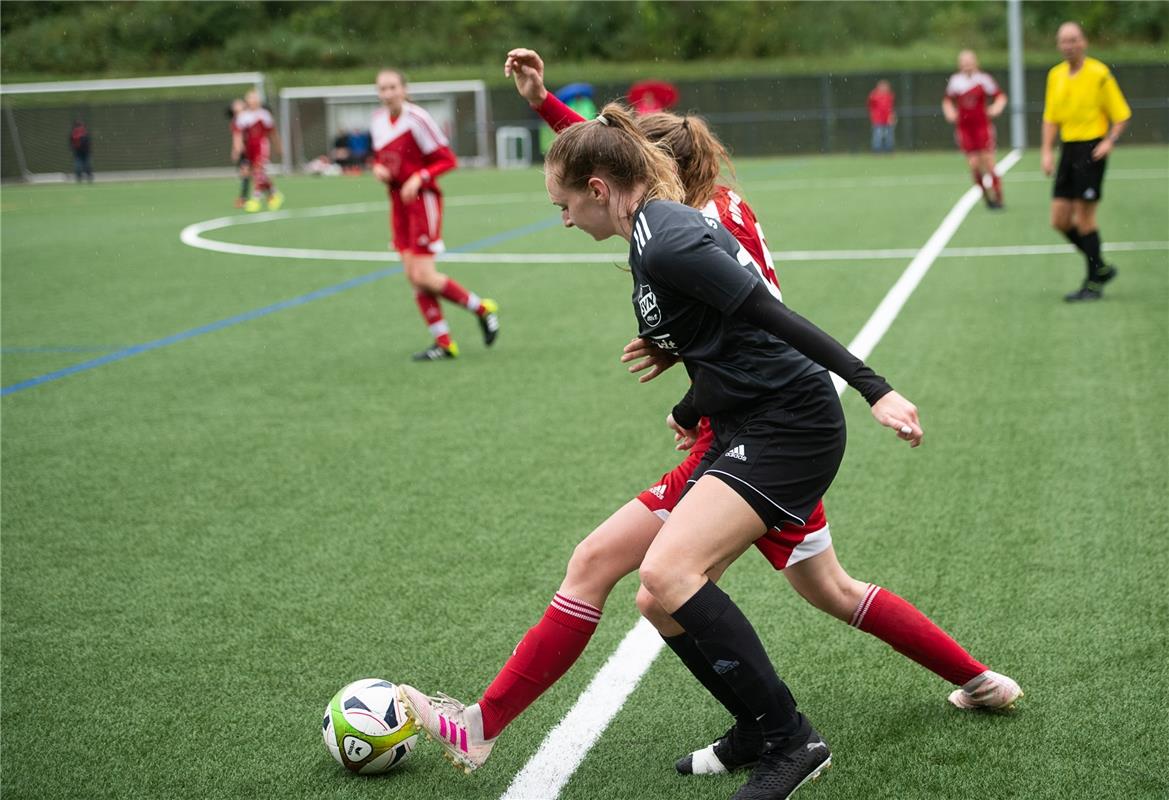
[990, 690]
[458, 728]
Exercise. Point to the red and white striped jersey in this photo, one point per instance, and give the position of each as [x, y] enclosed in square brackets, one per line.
[410, 143]
[738, 218]
[970, 94]
[255, 125]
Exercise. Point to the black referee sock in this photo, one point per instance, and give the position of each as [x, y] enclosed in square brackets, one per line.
[1073, 236]
[1090, 244]
[733, 651]
[686, 648]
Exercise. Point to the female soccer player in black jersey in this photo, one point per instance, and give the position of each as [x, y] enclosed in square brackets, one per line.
[760, 372]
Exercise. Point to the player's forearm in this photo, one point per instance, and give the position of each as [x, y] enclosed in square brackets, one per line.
[684, 412]
[1117, 130]
[999, 104]
[440, 161]
[558, 115]
[764, 311]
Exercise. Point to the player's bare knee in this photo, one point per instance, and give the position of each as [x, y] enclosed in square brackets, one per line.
[593, 564]
[652, 610]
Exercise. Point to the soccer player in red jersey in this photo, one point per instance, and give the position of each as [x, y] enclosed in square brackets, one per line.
[255, 137]
[965, 107]
[410, 152]
[617, 547]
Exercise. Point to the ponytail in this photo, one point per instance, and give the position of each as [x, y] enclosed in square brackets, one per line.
[613, 145]
[697, 151]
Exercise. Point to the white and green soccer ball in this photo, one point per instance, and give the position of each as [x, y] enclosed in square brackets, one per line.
[366, 729]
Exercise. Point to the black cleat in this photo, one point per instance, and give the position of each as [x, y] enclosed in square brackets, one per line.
[733, 750]
[1089, 291]
[489, 321]
[786, 767]
[436, 352]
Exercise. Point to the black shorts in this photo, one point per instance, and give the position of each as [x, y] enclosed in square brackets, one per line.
[782, 455]
[1078, 176]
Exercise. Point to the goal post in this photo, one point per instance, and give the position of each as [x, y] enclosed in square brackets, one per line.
[156, 127]
[312, 116]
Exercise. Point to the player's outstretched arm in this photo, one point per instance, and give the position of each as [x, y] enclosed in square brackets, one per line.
[527, 69]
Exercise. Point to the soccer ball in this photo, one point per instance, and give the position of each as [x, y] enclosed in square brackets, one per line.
[366, 729]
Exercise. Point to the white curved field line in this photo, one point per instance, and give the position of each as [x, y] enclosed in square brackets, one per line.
[192, 235]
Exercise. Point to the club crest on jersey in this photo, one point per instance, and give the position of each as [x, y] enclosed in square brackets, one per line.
[647, 304]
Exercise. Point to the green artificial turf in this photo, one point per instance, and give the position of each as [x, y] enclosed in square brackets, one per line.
[203, 541]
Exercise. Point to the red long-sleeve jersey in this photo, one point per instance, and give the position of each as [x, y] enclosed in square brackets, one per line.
[411, 143]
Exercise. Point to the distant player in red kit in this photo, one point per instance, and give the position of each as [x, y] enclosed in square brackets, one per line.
[965, 107]
[254, 133]
[410, 152]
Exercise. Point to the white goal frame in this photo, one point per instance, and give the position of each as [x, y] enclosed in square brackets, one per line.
[255, 79]
[367, 92]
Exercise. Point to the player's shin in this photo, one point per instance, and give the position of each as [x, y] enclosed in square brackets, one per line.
[733, 650]
[911, 633]
[545, 653]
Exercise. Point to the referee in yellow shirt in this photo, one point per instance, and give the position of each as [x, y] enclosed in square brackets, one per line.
[1086, 109]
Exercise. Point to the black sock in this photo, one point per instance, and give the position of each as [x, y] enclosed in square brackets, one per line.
[1090, 244]
[686, 648]
[733, 650]
[245, 184]
[1073, 236]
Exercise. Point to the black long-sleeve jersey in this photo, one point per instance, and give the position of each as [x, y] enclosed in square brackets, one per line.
[697, 294]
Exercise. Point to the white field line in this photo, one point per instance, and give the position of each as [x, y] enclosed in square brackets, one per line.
[566, 745]
[192, 235]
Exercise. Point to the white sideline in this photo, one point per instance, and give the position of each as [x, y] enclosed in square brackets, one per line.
[566, 745]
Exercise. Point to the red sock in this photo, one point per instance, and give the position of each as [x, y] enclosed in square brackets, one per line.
[432, 313]
[911, 633]
[457, 294]
[542, 656]
[977, 175]
[997, 183]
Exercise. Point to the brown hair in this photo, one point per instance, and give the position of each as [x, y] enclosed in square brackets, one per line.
[698, 152]
[401, 75]
[613, 145]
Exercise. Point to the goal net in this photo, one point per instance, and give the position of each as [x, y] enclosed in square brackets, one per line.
[313, 118]
[138, 127]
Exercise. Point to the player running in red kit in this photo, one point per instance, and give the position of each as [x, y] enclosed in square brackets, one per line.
[410, 152]
[615, 548]
[965, 107]
[253, 136]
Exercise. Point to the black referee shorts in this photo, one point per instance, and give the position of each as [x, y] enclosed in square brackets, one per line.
[781, 455]
[1078, 176]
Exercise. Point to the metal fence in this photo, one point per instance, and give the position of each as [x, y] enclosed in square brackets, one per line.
[828, 113]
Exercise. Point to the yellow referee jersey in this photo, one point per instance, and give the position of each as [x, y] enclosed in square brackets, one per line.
[1083, 105]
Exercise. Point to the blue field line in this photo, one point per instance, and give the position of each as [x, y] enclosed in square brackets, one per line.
[134, 350]
[247, 316]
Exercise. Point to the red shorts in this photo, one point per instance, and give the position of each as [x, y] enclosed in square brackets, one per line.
[976, 138]
[257, 153]
[417, 226]
[782, 546]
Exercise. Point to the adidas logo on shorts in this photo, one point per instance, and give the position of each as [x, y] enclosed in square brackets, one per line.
[738, 451]
[658, 491]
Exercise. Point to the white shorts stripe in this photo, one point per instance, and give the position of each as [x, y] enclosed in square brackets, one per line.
[813, 544]
[752, 488]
